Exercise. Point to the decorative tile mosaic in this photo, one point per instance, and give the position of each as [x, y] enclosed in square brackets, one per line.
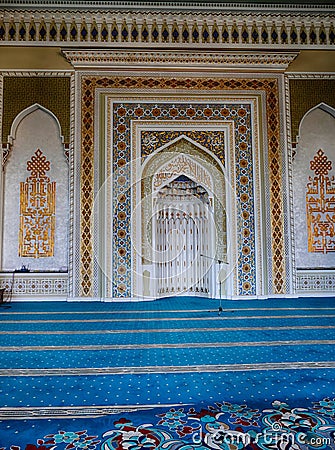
[212, 140]
[123, 113]
[35, 284]
[52, 92]
[315, 280]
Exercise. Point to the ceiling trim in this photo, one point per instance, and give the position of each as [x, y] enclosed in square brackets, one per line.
[191, 5]
[250, 61]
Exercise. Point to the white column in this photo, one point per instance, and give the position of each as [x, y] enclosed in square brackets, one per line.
[168, 245]
[193, 243]
[207, 249]
[203, 261]
[189, 259]
[173, 251]
[198, 246]
[163, 251]
[158, 264]
[183, 259]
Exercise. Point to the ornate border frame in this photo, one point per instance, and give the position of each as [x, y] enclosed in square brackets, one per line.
[269, 85]
[306, 282]
[150, 158]
[69, 153]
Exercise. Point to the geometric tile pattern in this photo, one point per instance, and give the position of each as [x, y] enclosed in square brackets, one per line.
[124, 115]
[315, 280]
[212, 140]
[38, 284]
[124, 112]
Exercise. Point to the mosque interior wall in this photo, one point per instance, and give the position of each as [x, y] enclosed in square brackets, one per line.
[112, 159]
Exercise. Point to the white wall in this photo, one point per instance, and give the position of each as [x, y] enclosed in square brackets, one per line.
[317, 131]
[37, 130]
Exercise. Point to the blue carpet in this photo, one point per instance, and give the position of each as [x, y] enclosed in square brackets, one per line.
[170, 374]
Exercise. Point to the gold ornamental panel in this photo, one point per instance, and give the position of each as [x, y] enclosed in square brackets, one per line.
[37, 210]
[320, 206]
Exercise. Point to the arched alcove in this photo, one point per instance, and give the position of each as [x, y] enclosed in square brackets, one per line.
[35, 211]
[26, 112]
[183, 236]
[313, 169]
[314, 113]
[181, 185]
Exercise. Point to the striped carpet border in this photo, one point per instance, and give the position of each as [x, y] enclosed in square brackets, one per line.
[166, 369]
[164, 345]
[171, 330]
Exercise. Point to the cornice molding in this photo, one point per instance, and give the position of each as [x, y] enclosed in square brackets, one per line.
[149, 5]
[193, 60]
[311, 76]
[35, 73]
[238, 16]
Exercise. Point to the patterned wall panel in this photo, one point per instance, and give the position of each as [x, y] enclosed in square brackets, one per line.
[51, 92]
[162, 113]
[122, 115]
[35, 195]
[34, 284]
[321, 281]
[306, 94]
[313, 191]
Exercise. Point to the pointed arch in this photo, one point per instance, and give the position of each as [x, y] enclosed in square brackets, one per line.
[316, 139]
[180, 157]
[24, 113]
[35, 131]
[182, 164]
[175, 145]
[323, 107]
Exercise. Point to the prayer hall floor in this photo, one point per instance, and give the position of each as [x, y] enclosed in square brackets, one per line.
[172, 373]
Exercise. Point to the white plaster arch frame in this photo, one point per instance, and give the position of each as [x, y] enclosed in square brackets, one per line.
[158, 162]
[24, 113]
[17, 142]
[316, 131]
[324, 107]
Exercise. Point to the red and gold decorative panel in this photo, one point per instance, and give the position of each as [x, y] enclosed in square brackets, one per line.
[320, 205]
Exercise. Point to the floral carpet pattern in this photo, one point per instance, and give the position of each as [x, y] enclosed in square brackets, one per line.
[171, 374]
[221, 426]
